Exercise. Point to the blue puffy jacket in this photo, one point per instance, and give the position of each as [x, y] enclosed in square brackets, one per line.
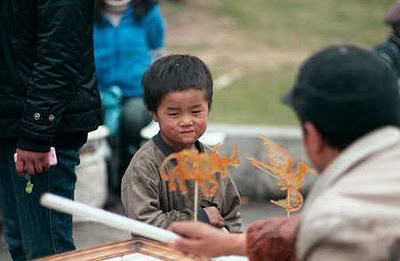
[123, 53]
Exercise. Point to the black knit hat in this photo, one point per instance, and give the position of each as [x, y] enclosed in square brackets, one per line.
[346, 89]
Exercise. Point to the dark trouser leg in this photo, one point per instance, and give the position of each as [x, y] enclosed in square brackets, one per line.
[113, 162]
[32, 231]
[134, 117]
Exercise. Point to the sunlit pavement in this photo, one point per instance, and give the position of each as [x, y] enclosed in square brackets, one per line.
[89, 234]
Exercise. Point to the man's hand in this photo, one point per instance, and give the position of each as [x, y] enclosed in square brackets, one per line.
[215, 217]
[31, 162]
[274, 238]
[203, 240]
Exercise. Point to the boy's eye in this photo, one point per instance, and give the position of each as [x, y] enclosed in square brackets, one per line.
[196, 112]
[172, 113]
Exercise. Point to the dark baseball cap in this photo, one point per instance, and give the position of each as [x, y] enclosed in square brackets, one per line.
[344, 88]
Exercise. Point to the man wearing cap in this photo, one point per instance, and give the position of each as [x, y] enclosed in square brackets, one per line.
[390, 48]
[348, 103]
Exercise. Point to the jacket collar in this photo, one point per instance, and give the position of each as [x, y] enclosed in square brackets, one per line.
[353, 155]
[167, 150]
[395, 39]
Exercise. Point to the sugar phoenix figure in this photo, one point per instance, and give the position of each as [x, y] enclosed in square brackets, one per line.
[280, 166]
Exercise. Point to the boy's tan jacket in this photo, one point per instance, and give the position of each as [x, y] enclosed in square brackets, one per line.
[147, 198]
[353, 210]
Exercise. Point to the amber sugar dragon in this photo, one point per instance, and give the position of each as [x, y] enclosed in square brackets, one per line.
[279, 165]
[199, 167]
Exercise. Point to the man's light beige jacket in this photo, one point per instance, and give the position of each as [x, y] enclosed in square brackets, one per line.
[353, 210]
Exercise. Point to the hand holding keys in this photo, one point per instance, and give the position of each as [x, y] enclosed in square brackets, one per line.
[52, 158]
[29, 185]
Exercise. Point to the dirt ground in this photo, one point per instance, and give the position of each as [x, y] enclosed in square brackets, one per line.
[218, 40]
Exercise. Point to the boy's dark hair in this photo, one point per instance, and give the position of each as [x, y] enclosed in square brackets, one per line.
[176, 72]
[346, 92]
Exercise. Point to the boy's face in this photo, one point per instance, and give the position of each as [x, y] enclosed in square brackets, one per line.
[182, 116]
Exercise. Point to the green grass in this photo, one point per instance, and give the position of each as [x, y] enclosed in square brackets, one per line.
[255, 99]
[298, 26]
[184, 48]
[309, 23]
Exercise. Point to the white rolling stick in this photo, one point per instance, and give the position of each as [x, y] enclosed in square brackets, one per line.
[107, 218]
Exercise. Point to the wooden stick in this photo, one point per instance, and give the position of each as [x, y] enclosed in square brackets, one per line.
[107, 218]
[196, 200]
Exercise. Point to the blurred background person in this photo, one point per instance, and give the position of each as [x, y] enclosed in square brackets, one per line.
[128, 36]
[390, 48]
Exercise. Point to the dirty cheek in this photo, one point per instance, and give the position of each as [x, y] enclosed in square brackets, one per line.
[168, 129]
[202, 125]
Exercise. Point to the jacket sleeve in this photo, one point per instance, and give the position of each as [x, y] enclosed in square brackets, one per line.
[140, 194]
[63, 28]
[386, 54]
[231, 207]
[272, 239]
[333, 238]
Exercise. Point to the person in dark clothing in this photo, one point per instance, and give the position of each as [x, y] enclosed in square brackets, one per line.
[389, 50]
[48, 98]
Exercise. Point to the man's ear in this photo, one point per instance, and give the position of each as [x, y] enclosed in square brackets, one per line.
[314, 145]
[313, 140]
[318, 150]
[154, 116]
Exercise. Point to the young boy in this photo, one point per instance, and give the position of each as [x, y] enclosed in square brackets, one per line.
[178, 92]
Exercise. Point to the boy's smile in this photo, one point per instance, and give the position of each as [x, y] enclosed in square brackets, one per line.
[182, 116]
